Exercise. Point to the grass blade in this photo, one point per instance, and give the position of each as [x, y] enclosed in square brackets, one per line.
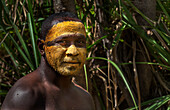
[87, 88]
[98, 41]
[149, 63]
[163, 36]
[10, 54]
[31, 14]
[33, 40]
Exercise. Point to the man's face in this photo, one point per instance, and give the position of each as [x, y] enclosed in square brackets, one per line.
[65, 47]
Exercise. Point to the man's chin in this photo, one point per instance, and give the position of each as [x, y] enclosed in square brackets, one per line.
[68, 71]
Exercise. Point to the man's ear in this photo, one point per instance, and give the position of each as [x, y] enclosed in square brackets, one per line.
[40, 44]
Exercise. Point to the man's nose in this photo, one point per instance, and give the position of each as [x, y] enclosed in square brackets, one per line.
[72, 51]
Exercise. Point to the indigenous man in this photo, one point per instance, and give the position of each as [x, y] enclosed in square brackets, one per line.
[63, 54]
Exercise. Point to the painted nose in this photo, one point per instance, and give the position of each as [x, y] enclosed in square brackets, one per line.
[72, 51]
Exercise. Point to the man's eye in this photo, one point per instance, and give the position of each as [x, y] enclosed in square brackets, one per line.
[62, 42]
[80, 41]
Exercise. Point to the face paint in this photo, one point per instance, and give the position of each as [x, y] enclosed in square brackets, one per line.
[64, 28]
[66, 60]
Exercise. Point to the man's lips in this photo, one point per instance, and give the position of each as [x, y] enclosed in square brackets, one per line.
[70, 62]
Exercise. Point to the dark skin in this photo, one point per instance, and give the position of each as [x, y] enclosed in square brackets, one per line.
[46, 89]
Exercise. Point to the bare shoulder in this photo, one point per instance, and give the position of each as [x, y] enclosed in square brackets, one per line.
[82, 90]
[85, 95]
[23, 94]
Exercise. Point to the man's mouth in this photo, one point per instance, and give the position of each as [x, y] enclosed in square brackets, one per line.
[71, 62]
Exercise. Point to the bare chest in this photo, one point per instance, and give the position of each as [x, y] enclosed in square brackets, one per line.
[66, 102]
[59, 100]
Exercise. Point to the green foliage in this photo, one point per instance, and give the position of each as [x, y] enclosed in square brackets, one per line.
[21, 23]
[155, 103]
[124, 11]
[26, 22]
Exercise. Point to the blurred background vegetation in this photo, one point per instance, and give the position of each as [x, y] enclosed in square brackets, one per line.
[128, 61]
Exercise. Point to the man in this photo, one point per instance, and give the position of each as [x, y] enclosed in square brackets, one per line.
[49, 87]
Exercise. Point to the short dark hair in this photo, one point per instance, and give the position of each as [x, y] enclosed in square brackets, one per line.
[54, 19]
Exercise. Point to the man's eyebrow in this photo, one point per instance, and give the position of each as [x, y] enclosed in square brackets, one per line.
[50, 43]
[70, 35]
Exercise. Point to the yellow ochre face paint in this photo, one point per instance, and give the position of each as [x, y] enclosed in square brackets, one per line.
[65, 27]
[67, 60]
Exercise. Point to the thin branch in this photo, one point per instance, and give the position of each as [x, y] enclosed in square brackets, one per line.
[105, 83]
[136, 74]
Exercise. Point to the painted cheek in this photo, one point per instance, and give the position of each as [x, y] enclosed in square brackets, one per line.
[82, 56]
[54, 55]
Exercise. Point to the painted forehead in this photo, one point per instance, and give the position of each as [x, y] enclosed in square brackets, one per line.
[65, 28]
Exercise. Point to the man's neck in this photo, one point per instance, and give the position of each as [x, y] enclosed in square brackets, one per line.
[48, 74]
